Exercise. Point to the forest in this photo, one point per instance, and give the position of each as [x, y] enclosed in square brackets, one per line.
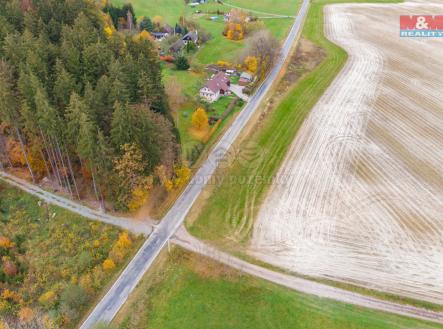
[82, 103]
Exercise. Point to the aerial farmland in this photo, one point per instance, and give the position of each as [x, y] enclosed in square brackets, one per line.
[362, 202]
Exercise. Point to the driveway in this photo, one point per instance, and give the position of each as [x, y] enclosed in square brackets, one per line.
[238, 91]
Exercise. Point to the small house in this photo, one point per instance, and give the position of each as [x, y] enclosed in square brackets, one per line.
[181, 43]
[177, 46]
[215, 87]
[168, 29]
[159, 35]
[245, 79]
[190, 37]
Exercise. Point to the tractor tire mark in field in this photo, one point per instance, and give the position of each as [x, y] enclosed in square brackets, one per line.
[363, 202]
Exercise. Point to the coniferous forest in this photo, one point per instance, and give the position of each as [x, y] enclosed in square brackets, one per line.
[82, 102]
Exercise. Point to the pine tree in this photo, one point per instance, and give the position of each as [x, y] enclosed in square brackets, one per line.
[121, 126]
[147, 25]
[64, 85]
[181, 63]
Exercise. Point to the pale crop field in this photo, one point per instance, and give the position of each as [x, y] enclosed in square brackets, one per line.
[359, 197]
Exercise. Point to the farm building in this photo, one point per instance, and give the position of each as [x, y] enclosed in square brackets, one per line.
[245, 79]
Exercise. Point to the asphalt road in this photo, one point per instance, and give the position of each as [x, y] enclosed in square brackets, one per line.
[108, 307]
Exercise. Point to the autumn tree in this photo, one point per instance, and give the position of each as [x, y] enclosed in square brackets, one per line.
[251, 63]
[265, 48]
[108, 265]
[200, 119]
[129, 169]
[157, 21]
[236, 26]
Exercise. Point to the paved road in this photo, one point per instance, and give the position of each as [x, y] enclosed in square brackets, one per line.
[107, 308]
[186, 241]
[137, 227]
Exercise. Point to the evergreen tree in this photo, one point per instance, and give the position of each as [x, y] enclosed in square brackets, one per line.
[121, 125]
[181, 63]
[64, 85]
[146, 24]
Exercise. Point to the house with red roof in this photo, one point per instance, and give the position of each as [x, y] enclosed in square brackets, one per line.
[215, 87]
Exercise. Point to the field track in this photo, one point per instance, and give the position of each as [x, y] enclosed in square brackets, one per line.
[362, 196]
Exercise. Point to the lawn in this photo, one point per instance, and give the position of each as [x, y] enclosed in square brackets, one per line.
[219, 107]
[169, 10]
[52, 262]
[189, 291]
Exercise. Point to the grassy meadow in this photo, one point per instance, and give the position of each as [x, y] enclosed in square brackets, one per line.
[184, 290]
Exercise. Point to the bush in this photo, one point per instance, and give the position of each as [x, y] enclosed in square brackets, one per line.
[181, 63]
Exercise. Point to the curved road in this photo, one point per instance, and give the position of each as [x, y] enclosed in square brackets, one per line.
[108, 307]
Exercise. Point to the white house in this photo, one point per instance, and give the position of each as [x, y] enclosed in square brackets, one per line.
[215, 87]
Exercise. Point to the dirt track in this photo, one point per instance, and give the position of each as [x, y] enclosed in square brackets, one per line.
[364, 198]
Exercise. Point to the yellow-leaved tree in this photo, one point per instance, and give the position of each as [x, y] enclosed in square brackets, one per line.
[124, 241]
[143, 36]
[200, 119]
[182, 176]
[157, 20]
[251, 64]
[5, 242]
[167, 183]
[108, 265]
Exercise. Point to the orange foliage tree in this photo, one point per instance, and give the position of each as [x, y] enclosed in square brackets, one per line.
[5, 242]
[108, 265]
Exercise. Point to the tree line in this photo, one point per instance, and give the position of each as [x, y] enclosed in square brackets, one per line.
[83, 103]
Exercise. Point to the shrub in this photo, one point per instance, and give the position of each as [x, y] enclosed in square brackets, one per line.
[181, 63]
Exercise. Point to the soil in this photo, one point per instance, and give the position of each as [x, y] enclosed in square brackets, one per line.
[362, 198]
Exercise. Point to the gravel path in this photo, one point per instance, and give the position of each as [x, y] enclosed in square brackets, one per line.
[129, 224]
[186, 241]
